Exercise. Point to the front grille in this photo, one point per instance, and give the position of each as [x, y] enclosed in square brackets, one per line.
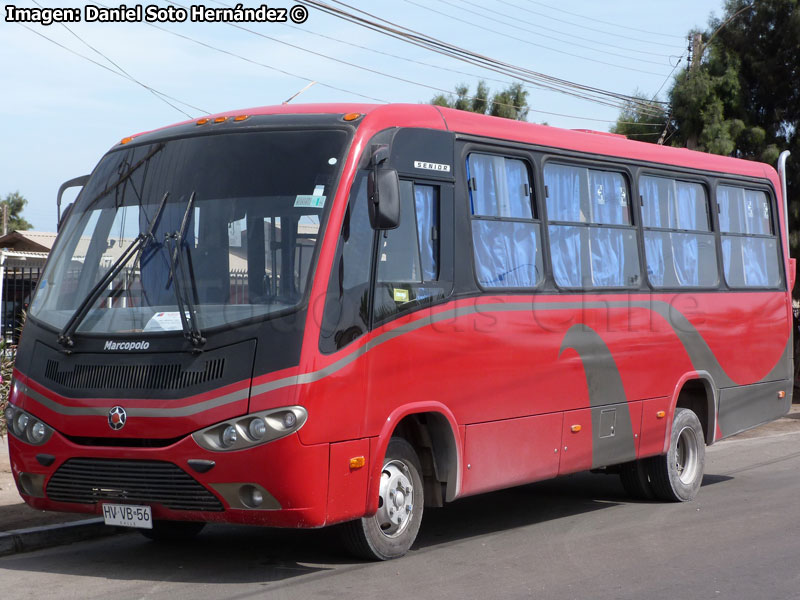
[134, 377]
[92, 480]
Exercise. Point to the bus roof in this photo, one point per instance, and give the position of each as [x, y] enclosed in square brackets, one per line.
[382, 116]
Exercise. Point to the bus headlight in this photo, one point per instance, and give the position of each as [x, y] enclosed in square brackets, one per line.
[257, 428]
[252, 430]
[37, 433]
[228, 437]
[26, 427]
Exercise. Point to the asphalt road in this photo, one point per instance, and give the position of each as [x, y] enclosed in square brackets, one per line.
[575, 537]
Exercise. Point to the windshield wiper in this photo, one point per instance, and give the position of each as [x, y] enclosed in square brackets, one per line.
[141, 241]
[187, 303]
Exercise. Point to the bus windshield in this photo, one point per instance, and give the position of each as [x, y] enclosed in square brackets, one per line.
[240, 213]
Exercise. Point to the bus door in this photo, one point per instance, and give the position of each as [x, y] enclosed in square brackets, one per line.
[413, 273]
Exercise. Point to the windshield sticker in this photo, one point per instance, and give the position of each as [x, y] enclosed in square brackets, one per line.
[400, 295]
[165, 321]
[319, 190]
[309, 201]
[430, 166]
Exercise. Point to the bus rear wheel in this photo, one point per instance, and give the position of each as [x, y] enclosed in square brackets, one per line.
[172, 531]
[677, 475]
[392, 530]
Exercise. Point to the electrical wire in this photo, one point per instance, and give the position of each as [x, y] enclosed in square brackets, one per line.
[84, 57]
[528, 10]
[475, 75]
[483, 27]
[158, 94]
[561, 10]
[540, 80]
[260, 64]
[539, 33]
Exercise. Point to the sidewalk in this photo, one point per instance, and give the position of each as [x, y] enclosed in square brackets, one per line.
[14, 513]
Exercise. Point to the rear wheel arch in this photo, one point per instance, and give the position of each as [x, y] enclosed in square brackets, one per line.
[697, 392]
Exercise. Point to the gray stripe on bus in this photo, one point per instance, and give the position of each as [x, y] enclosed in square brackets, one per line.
[606, 394]
[699, 352]
[181, 411]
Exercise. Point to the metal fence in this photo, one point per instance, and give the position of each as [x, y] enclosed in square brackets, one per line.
[18, 286]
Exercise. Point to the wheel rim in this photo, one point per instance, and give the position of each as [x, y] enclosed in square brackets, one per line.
[686, 456]
[396, 501]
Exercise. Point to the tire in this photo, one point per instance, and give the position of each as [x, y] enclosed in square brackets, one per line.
[172, 531]
[677, 475]
[386, 534]
[636, 480]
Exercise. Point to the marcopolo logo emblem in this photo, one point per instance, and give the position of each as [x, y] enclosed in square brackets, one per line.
[140, 345]
[117, 418]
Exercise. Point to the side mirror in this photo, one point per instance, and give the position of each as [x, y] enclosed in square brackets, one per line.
[383, 191]
[76, 182]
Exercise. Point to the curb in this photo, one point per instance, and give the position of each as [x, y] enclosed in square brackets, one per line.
[46, 536]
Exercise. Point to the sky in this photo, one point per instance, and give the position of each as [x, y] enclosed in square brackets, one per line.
[59, 113]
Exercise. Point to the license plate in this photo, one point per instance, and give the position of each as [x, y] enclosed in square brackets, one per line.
[128, 515]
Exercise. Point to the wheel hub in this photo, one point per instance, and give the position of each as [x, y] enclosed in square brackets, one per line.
[396, 499]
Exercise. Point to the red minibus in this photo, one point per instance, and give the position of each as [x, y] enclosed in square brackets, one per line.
[299, 316]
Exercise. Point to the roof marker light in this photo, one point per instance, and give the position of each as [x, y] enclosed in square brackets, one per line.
[220, 119]
[241, 117]
[351, 116]
[125, 140]
[203, 121]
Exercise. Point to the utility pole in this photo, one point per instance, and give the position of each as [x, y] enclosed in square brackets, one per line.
[695, 57]
[5, 218]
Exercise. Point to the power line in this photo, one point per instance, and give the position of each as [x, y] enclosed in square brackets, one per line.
[584, 26]
[524, 41]
[475, 75]
[561, 10]
[539, 27]
[367, 69]
[158, 94]
[541, 80]
[102, 66]
[255, 62]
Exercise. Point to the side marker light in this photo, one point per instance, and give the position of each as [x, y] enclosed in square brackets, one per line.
[357, 462]
[661, 414]
[575, 428]
[781, 394]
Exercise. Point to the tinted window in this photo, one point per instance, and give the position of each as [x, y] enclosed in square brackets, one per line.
[505, 237]
[679, 248]
[749, 249]
[346, 314]
[598, 248]
[408, 256]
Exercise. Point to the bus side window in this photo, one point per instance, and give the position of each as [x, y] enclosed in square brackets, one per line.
[408, 257]
[346, 313]
[749, 247]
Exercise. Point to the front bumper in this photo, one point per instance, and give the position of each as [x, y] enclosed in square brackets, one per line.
[294, 476]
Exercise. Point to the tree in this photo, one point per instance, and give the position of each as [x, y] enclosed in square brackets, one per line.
[511, 103]
[15, 202]
[741, 97]
[641, 119]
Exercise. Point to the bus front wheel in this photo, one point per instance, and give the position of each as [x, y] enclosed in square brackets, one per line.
[392, 530]
[677, 475]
